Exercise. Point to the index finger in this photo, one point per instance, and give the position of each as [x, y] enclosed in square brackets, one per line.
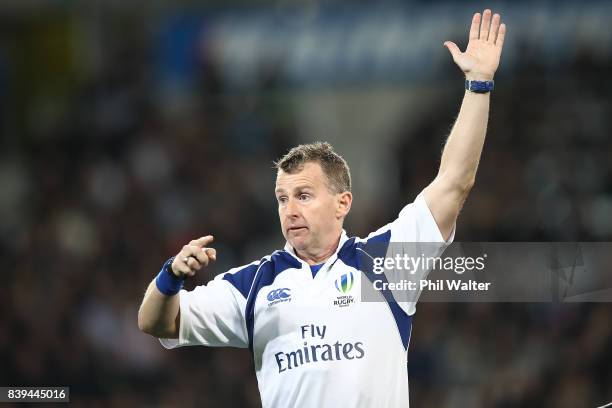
[202, 241]
[475, 28]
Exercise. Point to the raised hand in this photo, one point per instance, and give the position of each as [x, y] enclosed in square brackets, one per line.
[481, 57]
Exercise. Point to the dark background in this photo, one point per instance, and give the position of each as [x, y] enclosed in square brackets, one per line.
[130, 127]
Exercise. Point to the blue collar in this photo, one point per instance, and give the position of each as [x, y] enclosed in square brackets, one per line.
[315, 268]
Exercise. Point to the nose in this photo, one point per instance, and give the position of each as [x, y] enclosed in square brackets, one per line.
[291, 209]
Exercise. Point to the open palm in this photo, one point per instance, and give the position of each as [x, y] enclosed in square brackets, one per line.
[481, 57]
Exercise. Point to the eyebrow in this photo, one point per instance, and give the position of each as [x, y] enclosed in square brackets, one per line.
[299, 187]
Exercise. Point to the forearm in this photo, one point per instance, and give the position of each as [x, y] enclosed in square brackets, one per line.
[159, 314]
[464, 145]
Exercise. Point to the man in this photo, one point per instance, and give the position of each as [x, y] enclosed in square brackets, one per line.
[299, 311]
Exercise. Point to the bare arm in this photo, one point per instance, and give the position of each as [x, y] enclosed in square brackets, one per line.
[159, 314]
[447, 193]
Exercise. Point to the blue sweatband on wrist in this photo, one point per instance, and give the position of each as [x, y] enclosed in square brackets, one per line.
[479, 86]
[167, 282]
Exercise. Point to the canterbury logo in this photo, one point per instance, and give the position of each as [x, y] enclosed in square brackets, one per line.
[278, 294]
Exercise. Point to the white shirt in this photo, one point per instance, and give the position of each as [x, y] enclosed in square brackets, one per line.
[314, 342]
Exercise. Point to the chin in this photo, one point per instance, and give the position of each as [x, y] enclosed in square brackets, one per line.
[298, 244]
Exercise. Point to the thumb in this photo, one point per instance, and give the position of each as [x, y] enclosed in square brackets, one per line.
[452, 48]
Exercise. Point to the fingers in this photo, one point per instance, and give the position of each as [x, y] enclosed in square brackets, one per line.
[203, 241]
[490, 28]
[193, 257]
[180, 268]
[494, 28]
[475, 27]
[212, 253]
[501, 36]
[196, 253]
[486, 25]
[193, 264]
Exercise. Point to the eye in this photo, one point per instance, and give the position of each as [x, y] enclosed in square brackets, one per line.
[281, 199]
[304, 197]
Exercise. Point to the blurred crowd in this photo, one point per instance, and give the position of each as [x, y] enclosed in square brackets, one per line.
[102, 180]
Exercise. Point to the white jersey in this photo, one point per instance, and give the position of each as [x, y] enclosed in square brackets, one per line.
[314, 342]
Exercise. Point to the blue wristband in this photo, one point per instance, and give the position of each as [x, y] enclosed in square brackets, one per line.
[479, 86]
[167, 282]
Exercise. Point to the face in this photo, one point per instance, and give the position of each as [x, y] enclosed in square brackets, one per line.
[310, 214]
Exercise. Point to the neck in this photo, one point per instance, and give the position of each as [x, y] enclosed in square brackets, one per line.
[320, 256]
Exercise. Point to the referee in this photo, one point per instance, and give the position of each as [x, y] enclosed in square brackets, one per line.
[314, 342]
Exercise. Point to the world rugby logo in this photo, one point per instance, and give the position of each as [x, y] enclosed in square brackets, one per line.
[344, 283]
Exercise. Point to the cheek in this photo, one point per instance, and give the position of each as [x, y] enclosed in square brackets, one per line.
[327, 215]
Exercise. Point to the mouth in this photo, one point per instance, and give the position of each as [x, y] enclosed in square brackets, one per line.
[296, 229]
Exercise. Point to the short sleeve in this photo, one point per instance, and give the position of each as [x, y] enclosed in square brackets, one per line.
[211, 315]
[416, 223]
[416, 234]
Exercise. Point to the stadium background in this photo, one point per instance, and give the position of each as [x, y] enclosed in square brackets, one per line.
[129, 127]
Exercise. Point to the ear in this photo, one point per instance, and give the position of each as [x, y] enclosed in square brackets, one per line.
[344, 201]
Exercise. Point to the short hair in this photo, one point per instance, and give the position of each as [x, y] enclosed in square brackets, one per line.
[333, 165]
